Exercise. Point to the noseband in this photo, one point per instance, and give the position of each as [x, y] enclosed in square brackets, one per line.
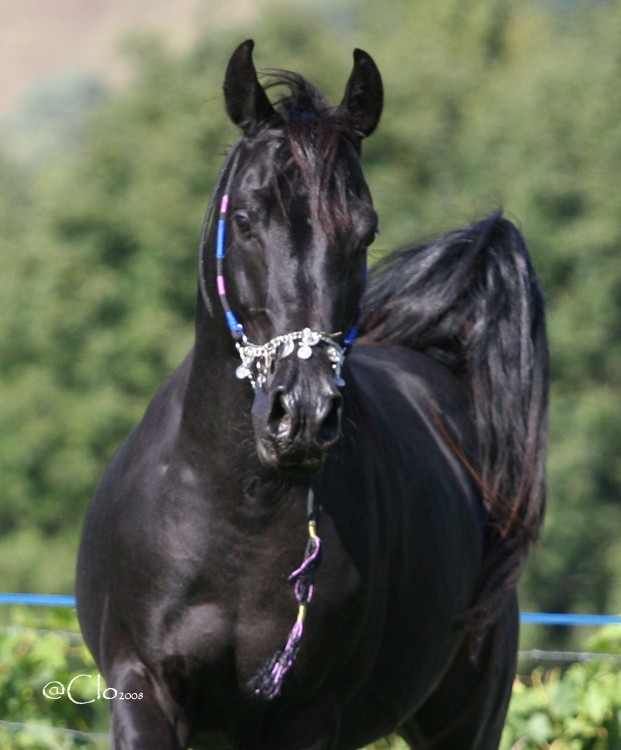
[258, 360]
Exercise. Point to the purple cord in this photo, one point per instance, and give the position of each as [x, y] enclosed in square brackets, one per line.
[310, 556]
[268, 682]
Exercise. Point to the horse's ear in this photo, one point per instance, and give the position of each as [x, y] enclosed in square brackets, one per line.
[246, 102]
[364, 96]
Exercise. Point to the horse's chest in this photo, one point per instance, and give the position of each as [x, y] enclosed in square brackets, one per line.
[200, 635]
[243, 619]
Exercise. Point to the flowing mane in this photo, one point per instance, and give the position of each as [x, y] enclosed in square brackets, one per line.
[471, 301]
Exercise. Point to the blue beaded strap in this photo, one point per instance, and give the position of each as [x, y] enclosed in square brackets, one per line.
[235, 327]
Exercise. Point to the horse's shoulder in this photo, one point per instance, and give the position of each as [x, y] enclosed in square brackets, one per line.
[144, 451]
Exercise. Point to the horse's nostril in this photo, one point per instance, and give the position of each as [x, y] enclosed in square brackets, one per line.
[279, 419]
[330, 424]
[315, 425]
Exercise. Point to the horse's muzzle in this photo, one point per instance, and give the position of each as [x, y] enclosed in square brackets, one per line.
[297, 415]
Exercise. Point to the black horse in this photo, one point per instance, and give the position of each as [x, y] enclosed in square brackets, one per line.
[294, 550]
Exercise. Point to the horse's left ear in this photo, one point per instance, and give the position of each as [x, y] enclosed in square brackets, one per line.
[364, 96]
[246, 102]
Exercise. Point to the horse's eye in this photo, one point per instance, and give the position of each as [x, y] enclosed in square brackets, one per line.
[242, 221]
[369, 238]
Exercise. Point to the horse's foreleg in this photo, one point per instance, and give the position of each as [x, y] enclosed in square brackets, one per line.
[313, 726]
[467, 710]
[144, 717]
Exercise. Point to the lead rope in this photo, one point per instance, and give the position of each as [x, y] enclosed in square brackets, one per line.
[268, 682]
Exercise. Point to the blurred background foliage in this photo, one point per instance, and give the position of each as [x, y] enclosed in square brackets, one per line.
[102, 196]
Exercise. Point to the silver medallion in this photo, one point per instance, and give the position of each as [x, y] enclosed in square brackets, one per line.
[334, 355]
[310, 338]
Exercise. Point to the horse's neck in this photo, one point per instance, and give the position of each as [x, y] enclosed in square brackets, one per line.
[217, 406]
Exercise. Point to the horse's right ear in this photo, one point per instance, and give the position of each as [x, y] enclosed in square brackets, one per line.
[246, 102]
[363, 101]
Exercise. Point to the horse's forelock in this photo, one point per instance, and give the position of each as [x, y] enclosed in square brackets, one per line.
[312, 131]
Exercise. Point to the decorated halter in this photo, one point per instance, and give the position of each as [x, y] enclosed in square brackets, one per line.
[257, 359]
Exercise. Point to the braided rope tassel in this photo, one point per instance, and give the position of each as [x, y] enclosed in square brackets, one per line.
[268, 682]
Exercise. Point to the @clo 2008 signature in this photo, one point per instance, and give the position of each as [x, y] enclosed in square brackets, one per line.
[55, 690]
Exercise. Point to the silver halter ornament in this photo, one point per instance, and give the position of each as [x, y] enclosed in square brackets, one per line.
[257, 359]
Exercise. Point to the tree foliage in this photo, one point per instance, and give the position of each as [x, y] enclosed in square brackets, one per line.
[41, 653]
[507, 102]
[570, 709]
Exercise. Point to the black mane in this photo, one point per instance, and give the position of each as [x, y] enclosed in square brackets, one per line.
[471, 301]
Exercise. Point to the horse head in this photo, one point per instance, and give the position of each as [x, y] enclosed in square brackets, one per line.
[296, 219]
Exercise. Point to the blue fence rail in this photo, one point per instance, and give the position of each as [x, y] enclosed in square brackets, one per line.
[38, 600]
[539, 618]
